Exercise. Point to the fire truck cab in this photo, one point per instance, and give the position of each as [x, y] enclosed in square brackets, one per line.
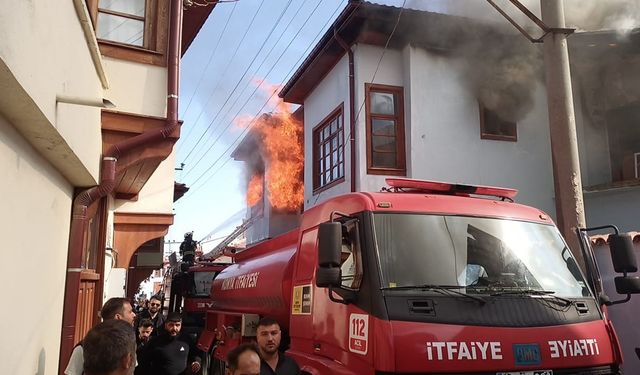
[424, 278]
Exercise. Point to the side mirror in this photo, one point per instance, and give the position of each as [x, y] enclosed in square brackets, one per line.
[573, 267]
[623, 255]
[329, 245]
[627, 284]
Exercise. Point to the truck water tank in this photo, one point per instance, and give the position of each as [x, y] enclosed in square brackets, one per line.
[260, 281]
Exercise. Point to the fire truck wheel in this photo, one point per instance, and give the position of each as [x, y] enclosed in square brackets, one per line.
[206, 363]
[218, 367]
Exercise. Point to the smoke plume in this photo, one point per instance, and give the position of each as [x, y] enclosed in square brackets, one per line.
[500, 65]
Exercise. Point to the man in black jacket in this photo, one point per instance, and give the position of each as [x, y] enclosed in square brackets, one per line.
[170, 353]
[154, 314]
[273, 362]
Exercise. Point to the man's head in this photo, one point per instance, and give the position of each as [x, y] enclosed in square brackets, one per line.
[173, 324]
[244, 360]
[154, 304]
[118, 308]
[145, 329]
[110, 348]
[268, 335]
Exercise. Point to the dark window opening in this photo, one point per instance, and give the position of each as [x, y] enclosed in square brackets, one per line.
[495, 128]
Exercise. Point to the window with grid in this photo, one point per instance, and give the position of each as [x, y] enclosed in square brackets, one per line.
[122, 21]
[495, 128]
[328, 151]
[385, 130]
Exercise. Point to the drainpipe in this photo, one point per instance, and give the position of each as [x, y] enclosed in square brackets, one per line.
[352, 107]
[107, 183]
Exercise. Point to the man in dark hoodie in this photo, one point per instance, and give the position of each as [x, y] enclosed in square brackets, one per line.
[170, 353]
[154, 314]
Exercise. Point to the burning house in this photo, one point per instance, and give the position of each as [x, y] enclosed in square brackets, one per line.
[404, 92]
[273, 156]
[444, 98]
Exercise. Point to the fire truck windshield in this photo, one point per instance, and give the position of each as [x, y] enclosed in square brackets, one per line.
[201, 285]
[480, 255]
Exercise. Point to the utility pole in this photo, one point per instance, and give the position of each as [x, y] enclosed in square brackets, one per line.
[562, 125]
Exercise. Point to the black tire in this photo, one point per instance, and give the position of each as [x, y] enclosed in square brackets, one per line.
[218, 367]
[206, 364]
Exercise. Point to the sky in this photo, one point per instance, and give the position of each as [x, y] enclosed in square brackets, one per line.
[245, 41]
[239, 43]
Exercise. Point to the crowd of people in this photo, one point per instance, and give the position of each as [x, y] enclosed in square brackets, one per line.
[150, 344]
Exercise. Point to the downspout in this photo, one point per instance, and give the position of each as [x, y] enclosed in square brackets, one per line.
[81, 203]
[352, 107]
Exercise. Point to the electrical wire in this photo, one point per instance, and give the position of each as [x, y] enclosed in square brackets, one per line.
[289, 74]
[372, 81]
[254, 91]
[240, 80]
[249, 97]
[200, 79]
[247, 83]
[222, 76]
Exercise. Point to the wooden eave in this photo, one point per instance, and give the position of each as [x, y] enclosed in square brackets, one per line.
[179, 190]
[132, 230]
[193, 19]
[134, 168]
[367, 23]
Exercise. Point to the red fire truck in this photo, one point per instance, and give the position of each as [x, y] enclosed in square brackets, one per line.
[424, 278]
[189, 293]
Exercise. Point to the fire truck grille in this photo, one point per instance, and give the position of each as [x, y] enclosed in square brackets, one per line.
[600, 370]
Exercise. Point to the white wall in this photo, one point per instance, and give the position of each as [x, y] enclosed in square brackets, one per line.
[35, 226]
[442, 127]
[620, 207]
[390, 72]
[327, 96]
[137, 88]
[445, 141]
[43, 55]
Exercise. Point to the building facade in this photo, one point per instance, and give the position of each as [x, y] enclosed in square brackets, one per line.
[433, 96]
[414, 113]
[87, 127]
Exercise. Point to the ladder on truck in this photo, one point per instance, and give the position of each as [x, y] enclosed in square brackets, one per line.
[219, 249]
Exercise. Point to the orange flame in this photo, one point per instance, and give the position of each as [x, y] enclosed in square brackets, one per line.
[280, 135]
[254, 190]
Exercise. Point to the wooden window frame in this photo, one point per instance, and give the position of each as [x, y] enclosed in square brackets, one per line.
[398, 117]
[337, 112]
[484, 134]
[156, 34]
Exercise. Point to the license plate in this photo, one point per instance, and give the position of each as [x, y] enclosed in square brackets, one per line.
[534, 372]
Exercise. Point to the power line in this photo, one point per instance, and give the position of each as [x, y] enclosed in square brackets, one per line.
[235, 52]
[373, 78]
[311, 45]
[254, 91]
[247, 84]
[200, 79]
[240, 80]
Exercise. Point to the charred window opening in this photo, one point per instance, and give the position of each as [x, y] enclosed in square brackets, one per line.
[624, 143]
[328, 151]
[493, 127]
[385, 130]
